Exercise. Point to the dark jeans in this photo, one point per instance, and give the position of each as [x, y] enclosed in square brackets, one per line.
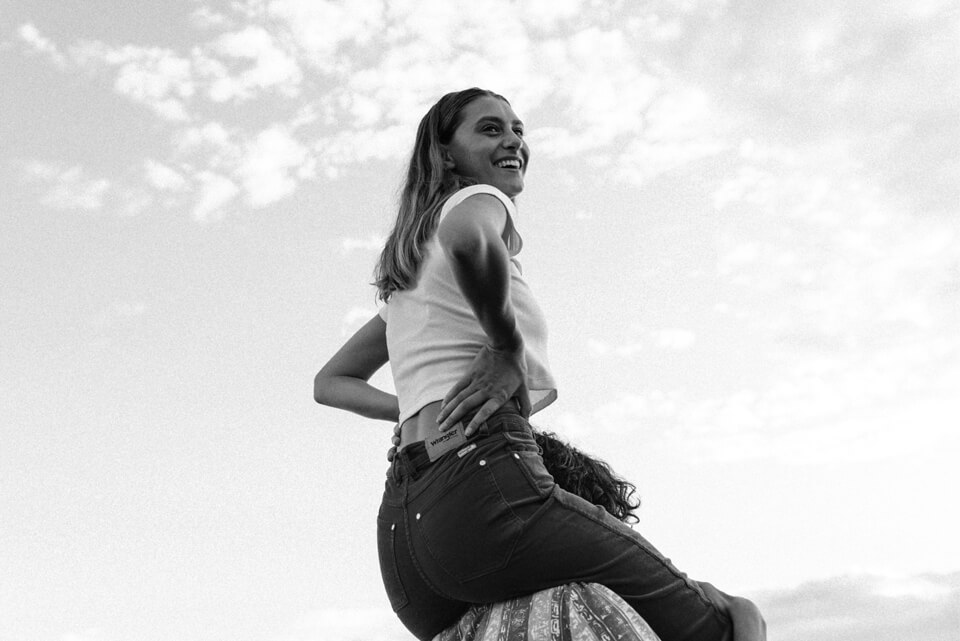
[486, 524]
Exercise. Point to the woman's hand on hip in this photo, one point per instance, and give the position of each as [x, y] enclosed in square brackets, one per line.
[494, 377]
[395, 443]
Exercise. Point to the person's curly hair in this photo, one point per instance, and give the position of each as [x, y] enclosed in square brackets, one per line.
[587, 477]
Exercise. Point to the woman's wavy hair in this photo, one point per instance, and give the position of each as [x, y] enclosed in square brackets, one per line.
[427, 185]
[587, 477]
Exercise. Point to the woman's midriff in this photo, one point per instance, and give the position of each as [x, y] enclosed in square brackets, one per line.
[420, 426]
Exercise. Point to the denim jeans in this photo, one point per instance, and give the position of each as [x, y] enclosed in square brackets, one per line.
[486, 523]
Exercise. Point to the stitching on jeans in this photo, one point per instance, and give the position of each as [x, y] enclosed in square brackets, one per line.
[659, 558]
[508, 554]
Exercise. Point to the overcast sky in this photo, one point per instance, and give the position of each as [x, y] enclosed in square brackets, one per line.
[742, 219]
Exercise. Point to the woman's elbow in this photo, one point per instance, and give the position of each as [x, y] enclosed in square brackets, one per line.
[320, 388]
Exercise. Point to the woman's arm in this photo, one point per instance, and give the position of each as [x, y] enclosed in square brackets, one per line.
[342, 382]
[471, 238]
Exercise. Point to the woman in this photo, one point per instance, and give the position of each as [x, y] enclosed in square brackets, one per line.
[469, 513]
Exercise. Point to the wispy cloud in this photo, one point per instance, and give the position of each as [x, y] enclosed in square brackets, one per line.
[615, 90]
[355, 318]
[267, 66]
[642, 339]
[216, 192]
[853, 608]
[41, 44]
[866, 608]
[271, 165]
[68, 187]
[162, 177]
[369, 244]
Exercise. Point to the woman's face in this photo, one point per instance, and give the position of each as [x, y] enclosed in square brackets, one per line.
[488, 146]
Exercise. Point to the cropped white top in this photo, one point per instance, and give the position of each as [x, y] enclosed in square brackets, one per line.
[433, 334]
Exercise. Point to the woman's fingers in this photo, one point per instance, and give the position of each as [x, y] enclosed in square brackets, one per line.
[395, 439]
[460, 407]
[485, 411]
[459, 391]
[492, 377]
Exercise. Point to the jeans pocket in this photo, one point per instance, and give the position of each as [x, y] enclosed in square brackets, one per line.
[525, 450]
[470, 527]
[387, 550]
[521, 441]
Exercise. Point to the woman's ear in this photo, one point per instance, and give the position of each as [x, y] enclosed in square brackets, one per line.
[448, 162]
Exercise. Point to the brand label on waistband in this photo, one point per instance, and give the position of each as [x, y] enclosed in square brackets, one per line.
[439, 445]
[466, 450]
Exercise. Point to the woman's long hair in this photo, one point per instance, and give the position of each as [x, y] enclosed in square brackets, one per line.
[587, 477]
[427, 185]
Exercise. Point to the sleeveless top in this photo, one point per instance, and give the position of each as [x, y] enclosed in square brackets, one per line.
[433, 334]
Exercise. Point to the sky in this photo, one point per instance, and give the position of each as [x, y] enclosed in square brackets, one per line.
[741, 220]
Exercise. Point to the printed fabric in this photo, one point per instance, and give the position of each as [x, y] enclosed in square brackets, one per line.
[572, 612]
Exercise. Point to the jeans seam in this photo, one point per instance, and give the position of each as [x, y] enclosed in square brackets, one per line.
[689, 583]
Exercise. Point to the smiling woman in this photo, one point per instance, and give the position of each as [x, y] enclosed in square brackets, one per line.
[470, 514]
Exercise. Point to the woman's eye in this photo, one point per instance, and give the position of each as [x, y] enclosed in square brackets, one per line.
[519, 132]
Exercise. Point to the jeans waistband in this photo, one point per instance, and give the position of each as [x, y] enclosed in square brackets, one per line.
[412, 460]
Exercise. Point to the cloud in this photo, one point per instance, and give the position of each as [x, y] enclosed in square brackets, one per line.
[882, 78]
[216, 192]
[851, 608]
[271, 165]
[238, 65]
[32, 36]
[610, 87]
[371, 243]
[873, 407]
[865, 608]
[674, 338]
[206, 18]
[270, 67]
[268, 165]
[354, 319]
[155, 77]
[163, 177]
[402, 57]
[68, 187]
[667, 339]
[309, 24]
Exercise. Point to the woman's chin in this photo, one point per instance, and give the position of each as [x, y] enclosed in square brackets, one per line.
[511, 188]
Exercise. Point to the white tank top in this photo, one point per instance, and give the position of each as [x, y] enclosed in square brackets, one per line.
[433, 334]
